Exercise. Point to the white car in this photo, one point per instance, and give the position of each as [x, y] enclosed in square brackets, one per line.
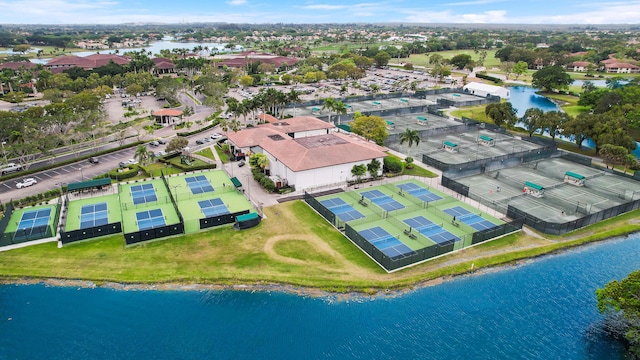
[26, 183]
[216, 136]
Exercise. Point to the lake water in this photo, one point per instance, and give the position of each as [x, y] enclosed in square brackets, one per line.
[544, 309]
[155, 48]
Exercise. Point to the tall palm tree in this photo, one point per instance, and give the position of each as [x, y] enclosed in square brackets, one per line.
[411, 137]
[329, 104]
[340, 108]
[293, 97]
[141, 154]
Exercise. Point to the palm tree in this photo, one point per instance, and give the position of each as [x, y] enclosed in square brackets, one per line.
[340, 108]
[141, 154]
[329, 104]
[293, 97]
[411, 137]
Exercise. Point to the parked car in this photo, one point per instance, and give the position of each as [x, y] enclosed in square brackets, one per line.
[26, 183]
[216, 136]
[241, 163]
[161, 153]
[162, 141]
[154, 143]
[94, 160]
[128, 162]
[10, 167]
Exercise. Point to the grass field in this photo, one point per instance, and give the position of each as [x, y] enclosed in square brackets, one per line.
[423, 59]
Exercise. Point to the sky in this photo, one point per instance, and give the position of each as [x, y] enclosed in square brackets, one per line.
[320, 11]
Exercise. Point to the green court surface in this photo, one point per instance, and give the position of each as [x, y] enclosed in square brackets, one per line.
[16, 216]
[389, 206]
[75, 206]
[187, 196]
[130, 208]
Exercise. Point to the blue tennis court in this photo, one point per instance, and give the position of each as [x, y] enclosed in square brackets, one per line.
[143, 193]
[387, 243]
[342, 210]
[386, 202]
[199, 184]
[475, 221]
[33, 222]
[419, 192]
[150, 219]
[431, 230]
[213, 207]
[94, 215]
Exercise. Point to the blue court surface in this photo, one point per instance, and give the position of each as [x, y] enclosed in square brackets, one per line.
[386, 202]
[430, 230]
[385, 242]
[94, 215]
[33, 222]
[199, 184]
[143, 193]
[475, 221]
[419, 192]
[342, 210]
[150, 219]
[213, 207]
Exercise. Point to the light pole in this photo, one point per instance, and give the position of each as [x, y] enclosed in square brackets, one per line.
[248, 187]
[175, 191]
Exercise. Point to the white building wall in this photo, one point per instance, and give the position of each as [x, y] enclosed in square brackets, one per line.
[303, 134]
[314, 177]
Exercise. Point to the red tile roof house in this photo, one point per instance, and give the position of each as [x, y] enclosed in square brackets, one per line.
[306, 152]
[167, 116]
[61, 63]
[578, 66]
[163, 66]
[621, 68]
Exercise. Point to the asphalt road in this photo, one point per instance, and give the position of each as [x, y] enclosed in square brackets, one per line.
[53, 178]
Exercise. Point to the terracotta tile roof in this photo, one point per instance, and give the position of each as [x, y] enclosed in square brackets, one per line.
[17, 65]
[299, 124]
[268, 118]
[252, 136]
[167, 112]
[321, 151]
[580, 63]
[87, 62]
[620, 65]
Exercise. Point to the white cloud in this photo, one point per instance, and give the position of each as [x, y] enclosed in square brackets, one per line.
[237, 2]
[324, 7]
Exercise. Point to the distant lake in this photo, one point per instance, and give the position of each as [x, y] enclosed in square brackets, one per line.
[155, 48]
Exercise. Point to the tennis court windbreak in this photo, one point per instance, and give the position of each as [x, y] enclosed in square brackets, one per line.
[236, 182]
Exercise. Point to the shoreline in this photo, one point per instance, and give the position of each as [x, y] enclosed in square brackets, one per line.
[311, 292]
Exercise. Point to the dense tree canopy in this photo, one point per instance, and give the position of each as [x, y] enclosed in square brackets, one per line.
[551, 78]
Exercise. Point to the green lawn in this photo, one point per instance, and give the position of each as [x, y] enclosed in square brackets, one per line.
[423, 59]
[224, 157]
[206, 152]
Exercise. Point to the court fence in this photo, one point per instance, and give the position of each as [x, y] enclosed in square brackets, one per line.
[426, 253]
[89, 233]
[34, 233]
[220, 219]
[565, 227]
[4, 223]
[155, 233]
[390, 264]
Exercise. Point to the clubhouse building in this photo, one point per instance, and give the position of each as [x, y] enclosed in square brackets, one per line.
[306, 152]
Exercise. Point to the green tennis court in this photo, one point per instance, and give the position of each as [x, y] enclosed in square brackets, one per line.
[74, 212]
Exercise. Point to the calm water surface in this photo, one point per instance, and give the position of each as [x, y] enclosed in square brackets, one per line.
[544, 309]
